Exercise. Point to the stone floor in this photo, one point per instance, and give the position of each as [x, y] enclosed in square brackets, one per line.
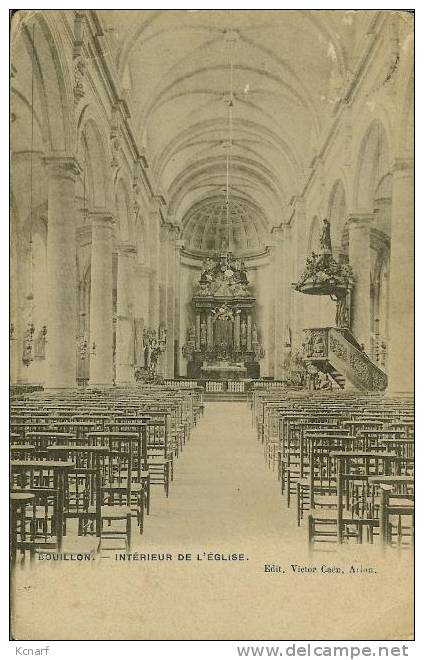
[223, 501]
[223, 494]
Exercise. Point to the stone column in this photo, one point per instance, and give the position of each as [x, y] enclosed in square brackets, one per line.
[279, 300]
[401, 292]
[197, 330]
[249, 332]
[61, 269]
[101, 310]
[237, 332]
[125, 314]
[154, 227]
[177, 307]
[288, 258]
[272, 312]
[299, 252]
[163, 276]
[210, 329]
[360, 261]
[170, 312]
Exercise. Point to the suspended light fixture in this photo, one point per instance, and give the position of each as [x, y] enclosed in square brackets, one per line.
[231, 37]
[27, 356]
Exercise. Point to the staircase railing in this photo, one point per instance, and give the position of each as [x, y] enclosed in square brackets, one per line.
[332, 346]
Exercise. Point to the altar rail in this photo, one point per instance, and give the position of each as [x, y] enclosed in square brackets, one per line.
[235, 386]
[25, 388]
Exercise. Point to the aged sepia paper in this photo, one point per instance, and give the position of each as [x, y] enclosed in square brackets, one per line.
[161, 159]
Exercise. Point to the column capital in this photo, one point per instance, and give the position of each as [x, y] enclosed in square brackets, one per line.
[174, 231]
[61, 165]
[360, 220]
[277, 233]
[280, 233]
[403, 164]
[102, 218]
[83, 234]
[126, 248]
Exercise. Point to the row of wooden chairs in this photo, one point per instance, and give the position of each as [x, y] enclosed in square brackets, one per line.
[346, 459]
[88, 460]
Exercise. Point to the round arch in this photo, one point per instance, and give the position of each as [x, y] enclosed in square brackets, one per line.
[96, 156]
[373, 162]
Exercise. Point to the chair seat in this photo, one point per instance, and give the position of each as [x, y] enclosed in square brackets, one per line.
[326, 500]
[116, 485]
[324, 514]
[47, 543]
[401, 503]
[111, 511]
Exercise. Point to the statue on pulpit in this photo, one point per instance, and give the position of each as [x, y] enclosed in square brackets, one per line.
[254, 334]
[325, 239]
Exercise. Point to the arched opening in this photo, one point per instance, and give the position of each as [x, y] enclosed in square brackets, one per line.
[372, 165]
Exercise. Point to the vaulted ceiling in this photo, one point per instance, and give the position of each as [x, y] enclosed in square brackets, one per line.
[289, 69]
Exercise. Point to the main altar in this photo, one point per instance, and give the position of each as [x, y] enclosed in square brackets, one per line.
[223, 341]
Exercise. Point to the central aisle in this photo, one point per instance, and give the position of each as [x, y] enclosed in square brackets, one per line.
[223, 493]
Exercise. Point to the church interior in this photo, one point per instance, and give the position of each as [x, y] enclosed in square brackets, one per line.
[212, 257]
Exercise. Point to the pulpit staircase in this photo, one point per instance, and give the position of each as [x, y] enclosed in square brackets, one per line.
[337, 352]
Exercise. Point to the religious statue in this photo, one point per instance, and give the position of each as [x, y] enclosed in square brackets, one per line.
[254, 334]
[40, 344]
[325, 239]
[318, 346]
[308, 346]
[147, 355]
[207, 268]
[243, 332]
[190, 346]
[243, 273]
